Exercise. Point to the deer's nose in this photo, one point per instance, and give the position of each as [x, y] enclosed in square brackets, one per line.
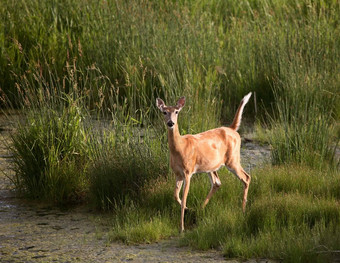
[170, 123]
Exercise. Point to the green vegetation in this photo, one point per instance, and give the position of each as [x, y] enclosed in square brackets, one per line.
[123, 168]
[49, 153]
[85, 75]
[293, 214]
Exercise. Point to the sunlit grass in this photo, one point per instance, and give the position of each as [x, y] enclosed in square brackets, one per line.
[291, 214]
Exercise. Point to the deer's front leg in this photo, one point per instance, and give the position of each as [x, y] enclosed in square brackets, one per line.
[178, 187]
[184, 199]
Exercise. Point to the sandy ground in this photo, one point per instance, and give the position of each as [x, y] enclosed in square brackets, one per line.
[34, 232]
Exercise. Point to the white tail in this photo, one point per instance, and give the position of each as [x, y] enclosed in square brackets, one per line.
[238, 116]
[203, 152]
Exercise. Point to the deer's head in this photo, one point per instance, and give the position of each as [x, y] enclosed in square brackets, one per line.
[170, 112]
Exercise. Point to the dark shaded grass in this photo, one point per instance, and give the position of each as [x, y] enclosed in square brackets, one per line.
[123, 170]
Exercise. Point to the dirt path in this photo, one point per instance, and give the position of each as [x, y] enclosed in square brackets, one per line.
[32, 232]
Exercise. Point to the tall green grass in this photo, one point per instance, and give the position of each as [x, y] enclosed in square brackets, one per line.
[303, 129]
[212, 52]
[207, 50]
[50, 153]
[86, 74]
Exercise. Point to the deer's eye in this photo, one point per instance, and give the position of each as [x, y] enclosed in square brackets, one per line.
[164, 112]
[176, 111]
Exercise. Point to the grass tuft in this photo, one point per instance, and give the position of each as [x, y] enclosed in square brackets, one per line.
[49, 154]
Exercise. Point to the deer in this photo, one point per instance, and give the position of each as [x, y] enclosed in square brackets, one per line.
[204, 152]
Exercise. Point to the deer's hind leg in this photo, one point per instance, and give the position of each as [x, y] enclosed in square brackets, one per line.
[245, 179]
[215, 184]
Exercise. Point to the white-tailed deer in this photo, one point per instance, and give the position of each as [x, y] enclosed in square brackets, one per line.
[204, 152]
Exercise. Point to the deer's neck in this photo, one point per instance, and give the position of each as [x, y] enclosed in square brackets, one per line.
[174, 139]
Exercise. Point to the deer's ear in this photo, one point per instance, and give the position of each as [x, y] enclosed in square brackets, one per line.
[160, 104]
[181, 103]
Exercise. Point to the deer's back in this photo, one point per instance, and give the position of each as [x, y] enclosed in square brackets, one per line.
[206, 151]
